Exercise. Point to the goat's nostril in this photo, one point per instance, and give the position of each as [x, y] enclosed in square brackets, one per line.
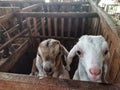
[95, 71]
[50, 69]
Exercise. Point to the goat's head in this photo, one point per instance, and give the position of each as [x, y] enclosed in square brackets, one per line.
[50, 52]
[93, 53]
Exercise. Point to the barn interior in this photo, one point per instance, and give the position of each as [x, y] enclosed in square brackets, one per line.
[24, 24]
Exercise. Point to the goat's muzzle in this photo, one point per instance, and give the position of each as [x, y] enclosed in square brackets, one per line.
[95, 73]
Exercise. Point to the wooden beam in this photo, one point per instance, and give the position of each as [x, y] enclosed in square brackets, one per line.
[5, 17]
[30, 8]
[7, 64]
[21, 2]
[12, 39]
[65, 3]
[10, 81]
[58, 14]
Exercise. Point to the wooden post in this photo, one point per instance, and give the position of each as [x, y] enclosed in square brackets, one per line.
[55, 26]
[76, 26]
[30, 30]
[19, 20]
[35, 26]
[62, 27]
[49, 26]
[69, 26]
[43, 25]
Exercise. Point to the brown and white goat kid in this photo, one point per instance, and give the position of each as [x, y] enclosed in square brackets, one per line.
[49, 59]
[93, 53]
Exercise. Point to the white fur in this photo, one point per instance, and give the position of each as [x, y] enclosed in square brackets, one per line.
[92, 50]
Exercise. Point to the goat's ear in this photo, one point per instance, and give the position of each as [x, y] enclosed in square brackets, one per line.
[34, 68]
[70, 56]
[105, 69]
[64, 50]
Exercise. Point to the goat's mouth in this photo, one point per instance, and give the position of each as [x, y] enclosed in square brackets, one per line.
[49, 73]
[94, 78]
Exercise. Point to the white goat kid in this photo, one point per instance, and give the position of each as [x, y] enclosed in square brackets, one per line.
[93, 53]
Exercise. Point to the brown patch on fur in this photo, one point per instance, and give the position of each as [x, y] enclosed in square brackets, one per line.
[52, 49]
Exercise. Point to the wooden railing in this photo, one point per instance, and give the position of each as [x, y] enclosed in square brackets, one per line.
[59, 24]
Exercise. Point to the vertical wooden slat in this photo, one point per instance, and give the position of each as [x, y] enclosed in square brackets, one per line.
[69, 26]
[43, 25]
[38, 20]
[19, 21]
[49, 26]
[99, 29]
[62, 27]
[30, 30]
[86, 26]
[76, 26]
[83, 26]
[29, 26]
[35, 26]
[98, 26]
[55, 26]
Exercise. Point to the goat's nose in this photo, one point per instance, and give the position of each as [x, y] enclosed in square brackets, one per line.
[48, 69]
[95, 71]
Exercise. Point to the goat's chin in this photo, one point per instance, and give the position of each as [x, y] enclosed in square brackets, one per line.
[95, 78]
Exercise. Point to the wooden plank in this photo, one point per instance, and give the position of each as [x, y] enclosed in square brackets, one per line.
[83, 26]
[12, 39]
[62, 27]
[21, 1]
[55, 26]
[19, 21]
[30, 8]
[69, 26]
[8, 10]
[58, 14]
[11, 61]
[49, 26]
[76, 26]
[14, 28]
[43, 25]
[58, 37]
[35, 26]
[5, 31]
[66, 3]
[18, 81]
[5, 17]
[42, 2]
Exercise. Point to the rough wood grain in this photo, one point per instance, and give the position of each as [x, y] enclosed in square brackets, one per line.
[17, 82]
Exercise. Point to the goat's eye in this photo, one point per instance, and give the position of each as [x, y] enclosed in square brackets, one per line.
[106, 51]
[78, 52]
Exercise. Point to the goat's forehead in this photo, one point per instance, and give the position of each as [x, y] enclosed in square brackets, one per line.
[92, 42]
[49, 43]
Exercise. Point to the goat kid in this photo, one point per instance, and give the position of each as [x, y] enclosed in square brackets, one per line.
[93, 53]
[49, 58]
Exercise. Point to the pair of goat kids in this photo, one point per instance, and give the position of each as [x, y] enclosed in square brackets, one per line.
[93, 53]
